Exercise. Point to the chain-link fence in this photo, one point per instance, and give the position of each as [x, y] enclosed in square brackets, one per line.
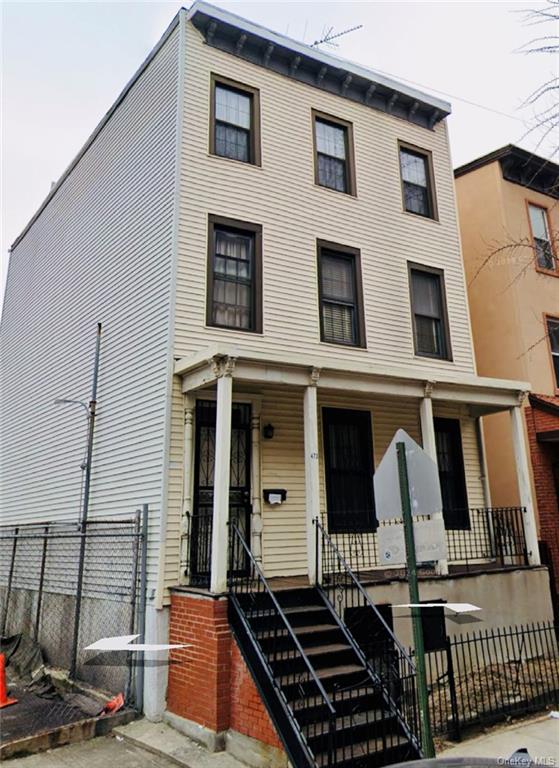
[67, 585]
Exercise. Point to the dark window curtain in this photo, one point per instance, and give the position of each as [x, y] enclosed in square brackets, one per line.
[233, 279]
[415, 180]
[349, 470]
[428, 311]
[452, 476]
[232, 123]
[339, 311]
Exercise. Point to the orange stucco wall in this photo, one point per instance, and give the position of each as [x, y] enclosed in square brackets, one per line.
[508, 299]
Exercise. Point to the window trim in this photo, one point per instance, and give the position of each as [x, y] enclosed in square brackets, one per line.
[431, 188]
[255, 156]
[552, 272]
[546, 318]
[415, 266]
[355, 253]
[371, 525]
[350, 151]
[242, 226]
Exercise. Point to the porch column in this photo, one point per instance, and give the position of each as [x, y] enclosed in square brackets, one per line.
[220, 545]
[186, 516]
[483, 462]
[524, 487]
[312, 479]
[256, 503]
[430, 447]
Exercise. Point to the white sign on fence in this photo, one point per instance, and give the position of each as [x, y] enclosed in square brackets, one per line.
[430, 542]
[423, 478]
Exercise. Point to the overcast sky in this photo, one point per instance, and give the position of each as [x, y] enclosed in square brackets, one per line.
[64, 64]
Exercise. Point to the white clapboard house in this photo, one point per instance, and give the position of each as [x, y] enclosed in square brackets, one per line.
[268, 234]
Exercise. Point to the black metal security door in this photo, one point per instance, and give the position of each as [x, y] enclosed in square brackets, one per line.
[239, 484]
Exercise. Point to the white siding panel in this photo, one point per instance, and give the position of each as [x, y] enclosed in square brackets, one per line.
[294, 212]
[100, 251]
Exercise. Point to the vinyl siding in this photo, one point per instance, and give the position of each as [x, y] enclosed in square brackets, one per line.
[282, 197]
[100, 251]
[282, 462]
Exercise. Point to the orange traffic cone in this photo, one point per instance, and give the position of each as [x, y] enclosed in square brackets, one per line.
[4, 700]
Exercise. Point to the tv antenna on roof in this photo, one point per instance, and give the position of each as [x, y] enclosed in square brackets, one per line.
[328, 36]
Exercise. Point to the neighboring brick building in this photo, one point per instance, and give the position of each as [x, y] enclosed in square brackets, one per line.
[509, 220]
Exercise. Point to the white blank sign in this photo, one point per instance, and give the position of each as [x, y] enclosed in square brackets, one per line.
[430, 542]
[423, 479]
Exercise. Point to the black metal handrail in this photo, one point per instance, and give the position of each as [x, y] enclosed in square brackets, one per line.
[253, 599]
[387, 660]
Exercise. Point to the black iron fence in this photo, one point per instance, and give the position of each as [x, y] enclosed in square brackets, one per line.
[495, 534]
[68, 585]
[483, 677]
[491, 537]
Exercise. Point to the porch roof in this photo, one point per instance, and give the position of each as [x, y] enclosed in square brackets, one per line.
[484, 395]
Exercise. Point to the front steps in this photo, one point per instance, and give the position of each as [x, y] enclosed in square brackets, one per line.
[364, 732]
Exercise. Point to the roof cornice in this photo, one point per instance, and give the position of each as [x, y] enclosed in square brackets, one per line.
[519, 167]
[278, 53]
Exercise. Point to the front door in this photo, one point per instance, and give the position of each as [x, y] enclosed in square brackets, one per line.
[450, 459]
[239, 488]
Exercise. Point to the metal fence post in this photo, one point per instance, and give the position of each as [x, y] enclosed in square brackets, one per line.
[9, 587]
[136, 544]
[452, 690]
[41, 582]
[79, 590]
[139, 693]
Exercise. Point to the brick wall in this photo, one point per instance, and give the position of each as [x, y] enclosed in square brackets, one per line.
[209, 682]
[248, 713]
[542, 456]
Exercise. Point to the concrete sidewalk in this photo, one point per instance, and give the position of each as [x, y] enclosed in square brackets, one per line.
[539, 736]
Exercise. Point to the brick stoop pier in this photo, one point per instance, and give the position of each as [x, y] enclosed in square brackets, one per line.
[210, 687]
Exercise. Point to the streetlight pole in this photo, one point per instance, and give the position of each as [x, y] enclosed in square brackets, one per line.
[91, 409]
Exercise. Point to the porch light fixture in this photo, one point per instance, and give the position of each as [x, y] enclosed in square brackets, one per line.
[268, 432]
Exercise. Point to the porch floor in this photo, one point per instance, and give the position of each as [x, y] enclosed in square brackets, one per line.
[374, 576]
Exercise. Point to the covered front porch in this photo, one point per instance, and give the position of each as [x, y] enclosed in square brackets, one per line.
[270, 445]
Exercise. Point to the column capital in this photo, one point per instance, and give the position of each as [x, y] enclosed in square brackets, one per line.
[428, 388]
[314, 376]
[222, 365]
[522, 395]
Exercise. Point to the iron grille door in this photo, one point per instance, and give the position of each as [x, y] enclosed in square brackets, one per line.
[239, 488]
[348, 453]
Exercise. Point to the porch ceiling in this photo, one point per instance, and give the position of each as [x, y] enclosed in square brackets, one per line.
[484, 395]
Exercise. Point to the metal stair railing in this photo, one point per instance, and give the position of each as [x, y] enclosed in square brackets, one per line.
[386, 658]
[300, 688]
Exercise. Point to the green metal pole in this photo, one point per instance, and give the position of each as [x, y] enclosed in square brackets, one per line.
[422, 692]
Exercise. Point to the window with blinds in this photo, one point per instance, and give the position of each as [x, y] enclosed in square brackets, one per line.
[234, 124]
[431, 334]
[417, 182]
[334, 166]
[341, 321]
[234, 275]
[540, 234]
